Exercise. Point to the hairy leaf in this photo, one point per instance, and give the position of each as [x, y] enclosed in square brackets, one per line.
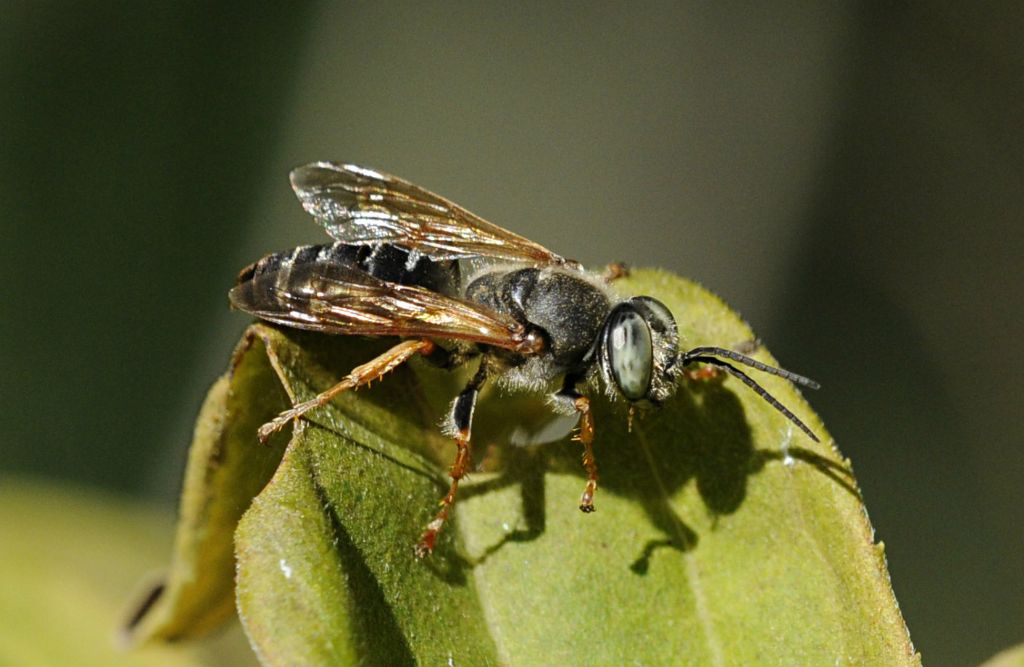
[227, 467]
[723, 535]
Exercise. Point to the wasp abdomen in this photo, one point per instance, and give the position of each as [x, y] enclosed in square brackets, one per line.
[385, 261]
[260, 286]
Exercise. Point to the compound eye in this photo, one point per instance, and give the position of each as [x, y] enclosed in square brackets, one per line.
[630, 353]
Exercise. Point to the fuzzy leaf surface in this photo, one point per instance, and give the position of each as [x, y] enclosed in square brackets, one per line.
[723, 535]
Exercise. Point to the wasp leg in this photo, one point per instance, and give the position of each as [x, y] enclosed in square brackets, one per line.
[614, 271]
[461, 425]
[360, 375]
[702, 373]
[568, 399]
[586, 438]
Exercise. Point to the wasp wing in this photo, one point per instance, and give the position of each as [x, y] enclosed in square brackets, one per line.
[360, 206]
[336, 298]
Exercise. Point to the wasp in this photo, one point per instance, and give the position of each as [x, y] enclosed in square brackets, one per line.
[450, 285]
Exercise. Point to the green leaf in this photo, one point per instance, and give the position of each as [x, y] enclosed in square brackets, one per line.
[1011, 657]
[723, 535]
[70, 557]
[328, 545]
[227, 467]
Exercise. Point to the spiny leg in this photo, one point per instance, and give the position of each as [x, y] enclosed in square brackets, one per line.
[461, 424]
[360, 375]
[586, 438]
[702, 373]
[568, 398]
[615, 271]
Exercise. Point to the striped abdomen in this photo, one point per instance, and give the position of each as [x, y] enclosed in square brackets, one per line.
[262, 286]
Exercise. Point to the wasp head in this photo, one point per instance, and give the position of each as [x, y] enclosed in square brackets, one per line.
[638, 349]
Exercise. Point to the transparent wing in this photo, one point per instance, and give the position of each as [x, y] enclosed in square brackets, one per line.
[339, 299]
[360, 206]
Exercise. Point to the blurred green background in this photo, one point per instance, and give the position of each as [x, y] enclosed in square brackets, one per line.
[849, 176]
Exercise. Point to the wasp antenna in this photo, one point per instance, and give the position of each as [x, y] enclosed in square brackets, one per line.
[758, 389]
[748, 361]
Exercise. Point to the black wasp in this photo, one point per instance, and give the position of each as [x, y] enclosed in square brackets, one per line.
[411, 264]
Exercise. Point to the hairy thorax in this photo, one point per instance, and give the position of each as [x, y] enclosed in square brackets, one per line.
[567, 309]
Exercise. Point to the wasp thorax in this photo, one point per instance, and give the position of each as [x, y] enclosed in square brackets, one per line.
[630, 352]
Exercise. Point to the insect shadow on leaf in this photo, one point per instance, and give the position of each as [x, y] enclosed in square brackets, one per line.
[700, 435]
[524, 467]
